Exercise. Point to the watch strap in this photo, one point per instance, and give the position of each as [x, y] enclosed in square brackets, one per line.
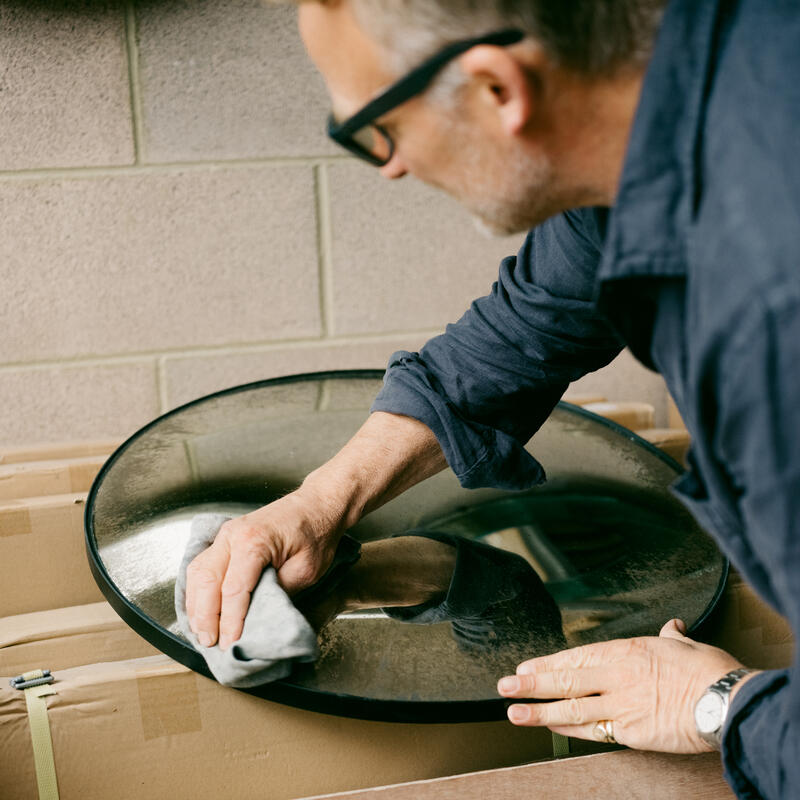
[729, 680]
[723, 688]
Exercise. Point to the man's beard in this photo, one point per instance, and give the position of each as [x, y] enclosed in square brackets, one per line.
[504, 193]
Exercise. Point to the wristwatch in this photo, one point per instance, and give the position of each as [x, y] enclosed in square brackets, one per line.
[711, 709]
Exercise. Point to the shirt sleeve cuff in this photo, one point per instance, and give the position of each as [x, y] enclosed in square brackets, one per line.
[480, 455]
[746, 740]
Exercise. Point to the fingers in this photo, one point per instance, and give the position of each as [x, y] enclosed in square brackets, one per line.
[220, 581]
[589, 731]
[244, 570]
[558, 684]
[674, 629]
[588, 655]
[204, 577]
[570, 712]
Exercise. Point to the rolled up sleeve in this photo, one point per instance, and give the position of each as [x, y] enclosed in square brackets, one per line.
[486, 385]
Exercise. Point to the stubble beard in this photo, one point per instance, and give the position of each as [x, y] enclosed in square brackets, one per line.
[504, 192]
[512, 202]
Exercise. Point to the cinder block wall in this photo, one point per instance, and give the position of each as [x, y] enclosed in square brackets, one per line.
[173, 221]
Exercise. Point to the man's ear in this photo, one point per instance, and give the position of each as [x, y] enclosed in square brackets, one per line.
[507, 84]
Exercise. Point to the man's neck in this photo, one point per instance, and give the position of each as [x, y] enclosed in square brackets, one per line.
[593, 122]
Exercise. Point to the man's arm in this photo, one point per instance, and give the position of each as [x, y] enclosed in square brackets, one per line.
[648, 686]
[471, 399]
[298, 534]
[488, 383]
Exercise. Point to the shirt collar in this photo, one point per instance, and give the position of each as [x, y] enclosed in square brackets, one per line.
[660, 177]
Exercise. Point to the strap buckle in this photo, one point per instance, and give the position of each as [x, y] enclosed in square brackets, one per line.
[36, 677]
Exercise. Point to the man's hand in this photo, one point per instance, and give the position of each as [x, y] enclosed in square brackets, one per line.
[220, 580]
[298, 534]
[646, 686]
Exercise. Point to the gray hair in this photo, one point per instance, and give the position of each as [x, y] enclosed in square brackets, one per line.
[593, 37]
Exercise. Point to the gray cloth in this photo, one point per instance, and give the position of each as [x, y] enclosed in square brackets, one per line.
[275, 633]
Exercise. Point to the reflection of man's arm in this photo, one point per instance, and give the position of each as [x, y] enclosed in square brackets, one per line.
[398, 572]
[493, 598]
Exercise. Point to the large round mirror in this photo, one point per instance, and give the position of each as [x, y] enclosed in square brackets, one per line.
[454, 587]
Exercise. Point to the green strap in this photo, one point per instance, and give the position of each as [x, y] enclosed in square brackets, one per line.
[560, 745]
[40, 736]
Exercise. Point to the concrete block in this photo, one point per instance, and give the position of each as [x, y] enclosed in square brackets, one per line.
[404, 255]
[64, 90]
[189, 377]
[138, 263]
[76, 402]
[626, 379]
[227, 79]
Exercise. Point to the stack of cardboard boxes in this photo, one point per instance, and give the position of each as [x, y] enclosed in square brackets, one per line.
[129, 722]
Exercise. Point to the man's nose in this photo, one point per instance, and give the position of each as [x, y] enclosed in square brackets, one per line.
[394, 168]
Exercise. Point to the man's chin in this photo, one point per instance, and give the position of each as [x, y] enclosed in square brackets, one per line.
[510, 219]
[491, 229]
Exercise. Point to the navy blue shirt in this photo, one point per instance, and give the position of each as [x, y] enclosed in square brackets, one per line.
[696, 270]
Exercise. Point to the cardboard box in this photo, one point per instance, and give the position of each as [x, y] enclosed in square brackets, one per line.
[67, 637]
[59, 476]
[672, 441]
[151, 728]
[10, 454]
[628, 414]
[160, 730]
[42, 500]
[745, 626]
[43, 554]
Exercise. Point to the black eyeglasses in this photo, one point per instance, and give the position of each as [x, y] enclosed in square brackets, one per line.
[364, 138]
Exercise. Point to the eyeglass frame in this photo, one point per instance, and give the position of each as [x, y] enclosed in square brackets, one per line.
[410, 85]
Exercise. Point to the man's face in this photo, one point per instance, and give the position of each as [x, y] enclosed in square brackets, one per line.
[458, 147]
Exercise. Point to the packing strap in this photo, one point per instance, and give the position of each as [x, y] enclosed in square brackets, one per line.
[37, 685]
[560, 745]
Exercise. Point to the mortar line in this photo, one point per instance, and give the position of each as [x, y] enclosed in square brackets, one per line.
[245, 348]
[168, 167]
[132, 47]
[161, 384]
[324, 249]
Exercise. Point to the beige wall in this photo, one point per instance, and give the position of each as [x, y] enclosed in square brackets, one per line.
[173, 221]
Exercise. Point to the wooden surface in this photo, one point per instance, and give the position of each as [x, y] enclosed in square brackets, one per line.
[621, 775]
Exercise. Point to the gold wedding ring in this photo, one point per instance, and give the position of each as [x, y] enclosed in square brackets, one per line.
[604, 731]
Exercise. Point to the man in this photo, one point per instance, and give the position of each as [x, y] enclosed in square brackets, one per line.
[652, 143]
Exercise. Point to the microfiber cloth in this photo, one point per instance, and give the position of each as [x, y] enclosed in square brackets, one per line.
[275, 634]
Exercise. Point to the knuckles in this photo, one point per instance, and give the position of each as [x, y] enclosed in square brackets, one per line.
[563, 712]
[565, 682]
[305, 571]
[572, 711]
[241, 534]
[231, 588]
[201, 575]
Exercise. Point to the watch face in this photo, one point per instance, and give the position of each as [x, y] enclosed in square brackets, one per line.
[708, 712]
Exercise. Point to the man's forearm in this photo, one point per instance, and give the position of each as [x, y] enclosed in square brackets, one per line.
[389, 454]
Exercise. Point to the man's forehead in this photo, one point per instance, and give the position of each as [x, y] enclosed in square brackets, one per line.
[348, 60]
